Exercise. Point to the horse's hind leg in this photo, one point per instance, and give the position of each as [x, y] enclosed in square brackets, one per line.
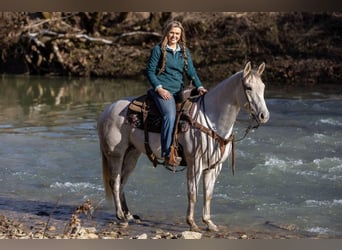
[129, 163]
[121, 167]
[115, 164]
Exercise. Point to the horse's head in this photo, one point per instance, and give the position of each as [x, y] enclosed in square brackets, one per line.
[253, 88]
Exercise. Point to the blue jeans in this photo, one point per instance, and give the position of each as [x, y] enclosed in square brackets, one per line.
[168, 110]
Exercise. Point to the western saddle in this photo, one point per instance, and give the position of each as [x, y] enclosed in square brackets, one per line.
[143, 114]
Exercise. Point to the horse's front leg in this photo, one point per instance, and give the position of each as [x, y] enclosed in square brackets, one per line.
[193, 181]
[209, 178]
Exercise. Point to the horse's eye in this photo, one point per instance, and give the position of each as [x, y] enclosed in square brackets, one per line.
[248, 88]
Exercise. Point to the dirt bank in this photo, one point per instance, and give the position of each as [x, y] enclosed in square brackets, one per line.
[298, 48]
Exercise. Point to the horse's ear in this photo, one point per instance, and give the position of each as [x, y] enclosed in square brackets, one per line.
[261, 68]
[247, 69]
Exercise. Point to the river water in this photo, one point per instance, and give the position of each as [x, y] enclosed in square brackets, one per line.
[288, 172]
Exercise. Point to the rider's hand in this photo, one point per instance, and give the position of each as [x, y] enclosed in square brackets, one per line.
[166, 95]
[202, 91]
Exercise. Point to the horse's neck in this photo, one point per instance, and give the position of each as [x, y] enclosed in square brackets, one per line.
[221, 106]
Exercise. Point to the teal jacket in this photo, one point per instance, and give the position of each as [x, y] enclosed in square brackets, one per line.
[172, 78]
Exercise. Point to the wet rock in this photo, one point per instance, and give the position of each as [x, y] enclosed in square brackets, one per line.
[189, 235]
[160, 234]
[159, 231]
[141, 237]
[156, 237]
[91, 236]
[86, 233]
[110, 235]
[243, 237]
[90, 230]
[288, 227]
[232, 238]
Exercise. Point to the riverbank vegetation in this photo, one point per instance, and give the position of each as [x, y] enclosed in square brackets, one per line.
[298, 48]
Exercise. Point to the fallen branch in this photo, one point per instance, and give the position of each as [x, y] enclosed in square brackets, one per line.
[34, 36]
[140, 33]
[94, 39]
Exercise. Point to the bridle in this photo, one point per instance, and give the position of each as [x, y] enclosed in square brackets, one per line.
[252, 116]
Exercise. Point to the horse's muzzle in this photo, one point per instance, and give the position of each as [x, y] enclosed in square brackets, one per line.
[263, 116]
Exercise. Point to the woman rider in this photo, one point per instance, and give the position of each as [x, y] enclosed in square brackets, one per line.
[168, 62]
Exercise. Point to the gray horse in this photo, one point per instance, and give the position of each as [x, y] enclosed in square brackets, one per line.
[206, 145]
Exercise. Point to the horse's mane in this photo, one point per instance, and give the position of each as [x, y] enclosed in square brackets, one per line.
[252, 73]
[228, 80]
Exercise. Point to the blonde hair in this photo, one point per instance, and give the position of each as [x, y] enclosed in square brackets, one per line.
[182, 42]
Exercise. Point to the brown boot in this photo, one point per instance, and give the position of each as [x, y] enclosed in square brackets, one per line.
[173, 161]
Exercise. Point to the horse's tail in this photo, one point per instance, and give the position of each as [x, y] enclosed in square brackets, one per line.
[106, 177]
[105, 167]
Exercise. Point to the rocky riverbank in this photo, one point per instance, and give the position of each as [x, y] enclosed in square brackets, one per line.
[11, 228]
[83, 224]
[298, 48]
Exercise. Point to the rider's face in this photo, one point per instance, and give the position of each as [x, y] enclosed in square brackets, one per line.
[174, 36]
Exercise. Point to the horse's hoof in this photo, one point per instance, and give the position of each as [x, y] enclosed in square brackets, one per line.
[133, 218]
[195, 228]
[136, 218]
[212, 227]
